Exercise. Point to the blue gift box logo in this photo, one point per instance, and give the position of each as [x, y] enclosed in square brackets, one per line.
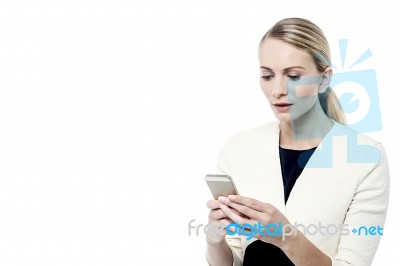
[358, 93]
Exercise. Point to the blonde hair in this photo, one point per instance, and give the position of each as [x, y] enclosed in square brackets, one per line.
[308, 37]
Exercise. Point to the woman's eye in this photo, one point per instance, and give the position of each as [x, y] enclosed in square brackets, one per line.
[267, 77]
[294, 77]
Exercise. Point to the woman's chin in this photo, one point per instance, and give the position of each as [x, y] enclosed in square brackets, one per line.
[283, 117]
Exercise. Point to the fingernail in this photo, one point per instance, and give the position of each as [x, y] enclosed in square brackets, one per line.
[232, 197]
[222, 198]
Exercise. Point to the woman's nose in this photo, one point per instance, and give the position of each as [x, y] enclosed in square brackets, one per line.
[279, 88]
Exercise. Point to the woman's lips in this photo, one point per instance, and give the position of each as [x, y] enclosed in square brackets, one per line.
[282, 107]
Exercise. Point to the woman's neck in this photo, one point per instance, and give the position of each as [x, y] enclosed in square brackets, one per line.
[306, 131]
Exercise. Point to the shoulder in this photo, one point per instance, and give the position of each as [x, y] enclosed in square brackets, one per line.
[358, 147]
[246, 145]
[352, 135]
[254, 135]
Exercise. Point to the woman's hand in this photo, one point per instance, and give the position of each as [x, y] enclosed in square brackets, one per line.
[217, 219]
[216, 229]
[252, 212]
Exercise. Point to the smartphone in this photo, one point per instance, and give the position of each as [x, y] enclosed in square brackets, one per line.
[221, 185]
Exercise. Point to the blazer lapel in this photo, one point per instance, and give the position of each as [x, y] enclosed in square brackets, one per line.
[268, 175]
[319, 161]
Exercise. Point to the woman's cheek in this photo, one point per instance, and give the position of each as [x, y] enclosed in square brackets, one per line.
[266, 91]
[306, 90]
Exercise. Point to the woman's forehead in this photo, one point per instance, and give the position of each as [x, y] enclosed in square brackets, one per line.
[277, 54]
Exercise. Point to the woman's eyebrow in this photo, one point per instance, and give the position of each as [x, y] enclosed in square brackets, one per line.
[285, 69]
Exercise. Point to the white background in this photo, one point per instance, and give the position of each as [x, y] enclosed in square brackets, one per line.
[112, 112]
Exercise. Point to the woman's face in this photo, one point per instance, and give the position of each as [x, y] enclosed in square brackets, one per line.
[289, 79]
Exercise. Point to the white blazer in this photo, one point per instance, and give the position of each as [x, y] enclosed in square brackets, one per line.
[346, 181]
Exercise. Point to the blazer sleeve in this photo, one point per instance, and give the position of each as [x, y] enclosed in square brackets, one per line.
[234, 241]
[367, 209]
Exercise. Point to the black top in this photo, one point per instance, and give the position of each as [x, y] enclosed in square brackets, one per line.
[292, 165]
[260, 252]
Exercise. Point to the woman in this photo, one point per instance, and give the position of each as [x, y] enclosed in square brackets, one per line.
[307, 169]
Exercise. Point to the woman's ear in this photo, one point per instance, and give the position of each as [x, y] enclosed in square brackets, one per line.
[325, 80]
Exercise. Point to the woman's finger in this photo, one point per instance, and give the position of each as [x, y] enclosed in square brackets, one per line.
[249, 202]
[233, 215]
[216, 214]
[246, 211]
[213, 204]
[242, 210]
